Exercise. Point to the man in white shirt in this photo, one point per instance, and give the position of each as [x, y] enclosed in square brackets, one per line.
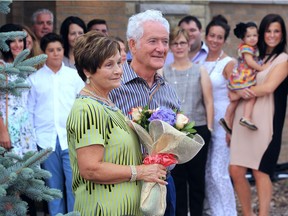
[53, 90]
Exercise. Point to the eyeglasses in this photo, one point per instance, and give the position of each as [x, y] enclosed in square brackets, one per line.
[181, 44]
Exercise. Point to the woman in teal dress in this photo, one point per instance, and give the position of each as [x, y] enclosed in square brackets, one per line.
[105, 153]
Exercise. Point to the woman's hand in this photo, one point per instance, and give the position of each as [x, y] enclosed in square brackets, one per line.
[233, 96]
[246, 93]
[228, 139]
[4, 138]
[152, 173]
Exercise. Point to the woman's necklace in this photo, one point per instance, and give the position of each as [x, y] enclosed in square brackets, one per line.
[218, 59]
[176, 77]
[104, 100]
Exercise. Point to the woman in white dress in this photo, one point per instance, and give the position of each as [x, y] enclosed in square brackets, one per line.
[219, 189]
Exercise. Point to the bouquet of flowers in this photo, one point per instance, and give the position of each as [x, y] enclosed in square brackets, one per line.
[169, 138]
[143, 117]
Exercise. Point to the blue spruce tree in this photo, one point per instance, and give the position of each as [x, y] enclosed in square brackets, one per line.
[21, 174]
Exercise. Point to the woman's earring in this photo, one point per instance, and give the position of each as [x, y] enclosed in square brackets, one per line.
[88, 80]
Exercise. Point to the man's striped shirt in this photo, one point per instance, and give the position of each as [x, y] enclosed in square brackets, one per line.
[134, 92]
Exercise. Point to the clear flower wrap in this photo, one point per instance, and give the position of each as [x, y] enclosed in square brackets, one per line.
[163, 139]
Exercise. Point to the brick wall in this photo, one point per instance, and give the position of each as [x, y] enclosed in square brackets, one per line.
[244, 13]
[112, 12]
[21, 11]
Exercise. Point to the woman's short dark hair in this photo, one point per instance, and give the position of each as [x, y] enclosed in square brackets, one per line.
[49, 38]
[7, 56]
[221, 21]
[264, 25]
[91, 50]
[64, 30]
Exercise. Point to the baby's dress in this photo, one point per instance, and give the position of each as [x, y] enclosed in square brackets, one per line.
[243, 76]
[20, 129]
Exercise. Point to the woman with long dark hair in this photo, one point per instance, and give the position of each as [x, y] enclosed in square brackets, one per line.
[259, 150]
[72, 27]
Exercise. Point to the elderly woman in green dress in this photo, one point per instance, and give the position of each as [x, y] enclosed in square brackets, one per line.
[104, 151]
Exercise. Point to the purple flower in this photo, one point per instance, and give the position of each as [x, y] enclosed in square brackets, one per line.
[164, 114]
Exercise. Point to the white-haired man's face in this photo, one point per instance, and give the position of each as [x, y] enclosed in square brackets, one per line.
[152, 48]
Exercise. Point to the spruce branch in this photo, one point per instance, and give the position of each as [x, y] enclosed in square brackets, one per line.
[4, 36]
[17, 168]
[21, 56]
[20, 68]
[34, 61]
[4, 6]
[37, 158]
[23, 175]
[12, 205]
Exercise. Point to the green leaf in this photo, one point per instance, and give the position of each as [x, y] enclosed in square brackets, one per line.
[189, 125]
[145, 107]
[191, 130]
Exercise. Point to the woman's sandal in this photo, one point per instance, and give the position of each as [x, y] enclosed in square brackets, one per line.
[246, 123]
[223, 123]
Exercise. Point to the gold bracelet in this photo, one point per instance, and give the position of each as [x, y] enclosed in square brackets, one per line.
[133, 173]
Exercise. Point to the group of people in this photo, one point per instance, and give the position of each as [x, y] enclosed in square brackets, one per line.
[244, 83]
[95, 152]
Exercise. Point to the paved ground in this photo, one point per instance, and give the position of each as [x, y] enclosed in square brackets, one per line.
[279, 204]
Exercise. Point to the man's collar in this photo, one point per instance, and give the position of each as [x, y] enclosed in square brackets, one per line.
[204, 47]
[129, 74]
[49, 69]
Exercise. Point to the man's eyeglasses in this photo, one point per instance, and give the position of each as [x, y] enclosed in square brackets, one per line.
[181, 44]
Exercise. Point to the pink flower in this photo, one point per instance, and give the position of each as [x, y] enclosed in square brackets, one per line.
[181, 121]
[136, 113]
